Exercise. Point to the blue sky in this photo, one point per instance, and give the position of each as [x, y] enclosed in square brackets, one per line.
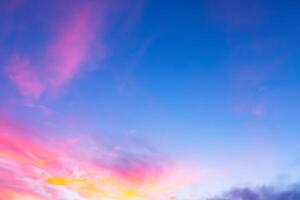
[214, 83]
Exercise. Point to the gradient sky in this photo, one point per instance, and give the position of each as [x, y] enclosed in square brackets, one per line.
[181, 88]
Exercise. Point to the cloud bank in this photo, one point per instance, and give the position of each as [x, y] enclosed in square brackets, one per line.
[264, 193]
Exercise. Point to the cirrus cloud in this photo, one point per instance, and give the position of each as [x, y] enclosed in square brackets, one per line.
[67, 50]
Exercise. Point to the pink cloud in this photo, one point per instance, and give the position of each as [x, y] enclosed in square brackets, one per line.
[24, 76]
[61, 60]
[33, 167]
[71, 48]
[73, 42]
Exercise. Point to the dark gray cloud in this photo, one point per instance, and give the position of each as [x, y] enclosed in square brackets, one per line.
[263, 193]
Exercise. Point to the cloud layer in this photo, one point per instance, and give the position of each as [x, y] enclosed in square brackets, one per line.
[31, 168]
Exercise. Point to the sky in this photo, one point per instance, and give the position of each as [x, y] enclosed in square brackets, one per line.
[149, 100]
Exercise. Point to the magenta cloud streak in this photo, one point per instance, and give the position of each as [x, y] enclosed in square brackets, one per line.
[61, 59]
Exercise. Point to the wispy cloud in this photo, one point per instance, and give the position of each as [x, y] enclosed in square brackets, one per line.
[237, 15]
[253, 58]
[36, 169]
[21, 72]
[71, 48]
[62, 58]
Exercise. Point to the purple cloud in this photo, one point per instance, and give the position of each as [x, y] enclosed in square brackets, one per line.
[263, 193]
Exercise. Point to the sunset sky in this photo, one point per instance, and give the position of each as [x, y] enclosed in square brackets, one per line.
[149, 99]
